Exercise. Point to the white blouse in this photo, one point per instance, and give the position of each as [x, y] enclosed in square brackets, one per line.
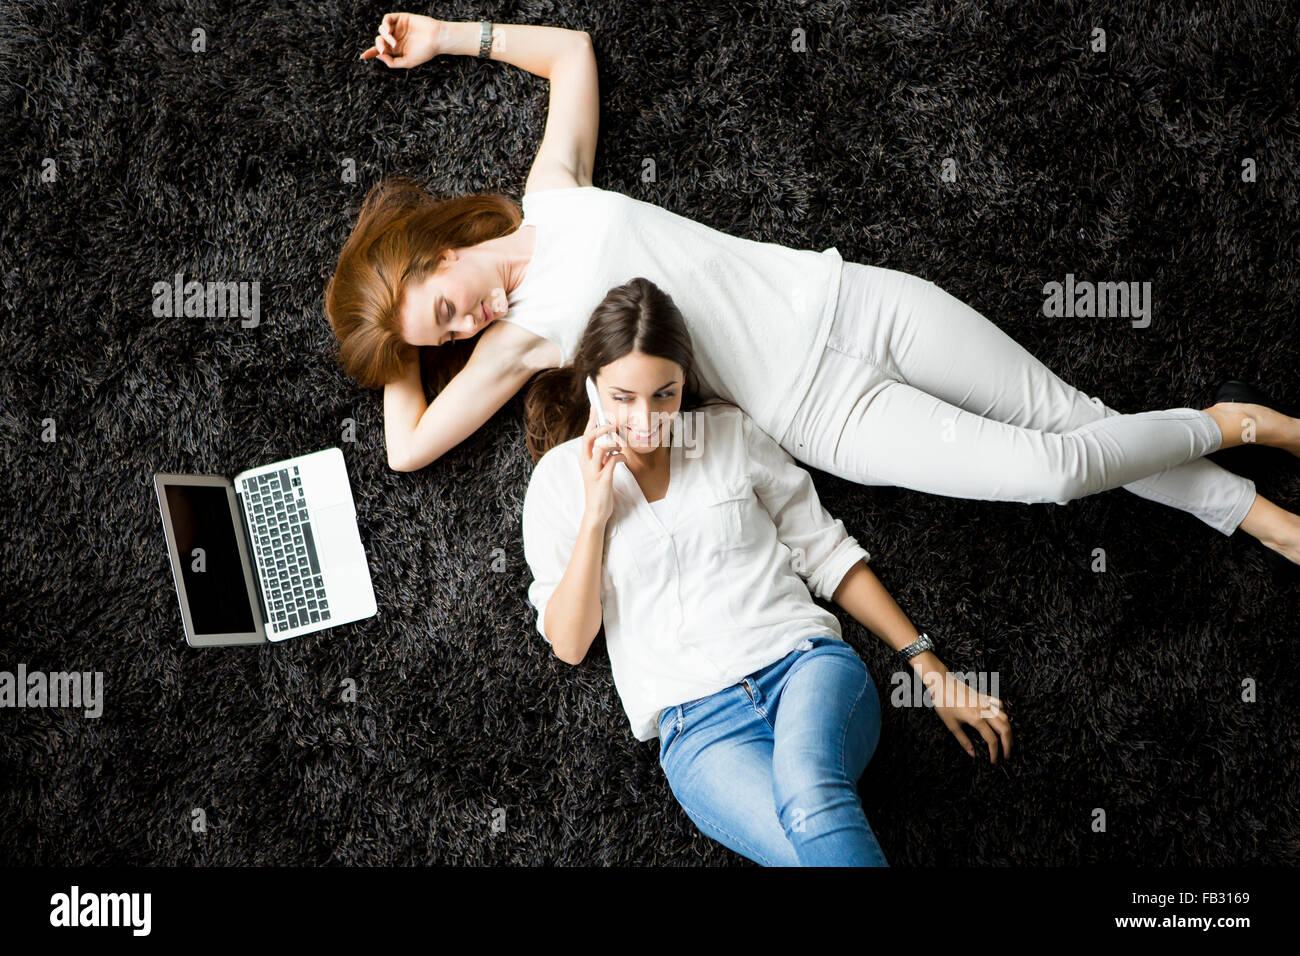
[717, 590]
[664, 510]
[759, 312]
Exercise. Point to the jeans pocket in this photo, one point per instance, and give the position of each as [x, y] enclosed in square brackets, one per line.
[670, 726]
[685, 706]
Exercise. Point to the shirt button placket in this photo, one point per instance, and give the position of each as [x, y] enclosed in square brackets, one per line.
[675, 590]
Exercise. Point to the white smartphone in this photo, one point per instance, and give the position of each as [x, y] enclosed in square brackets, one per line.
[607, 440]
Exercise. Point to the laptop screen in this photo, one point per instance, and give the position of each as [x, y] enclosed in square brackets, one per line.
[215, 589]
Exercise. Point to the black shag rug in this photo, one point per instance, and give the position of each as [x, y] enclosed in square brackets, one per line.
[469, 743]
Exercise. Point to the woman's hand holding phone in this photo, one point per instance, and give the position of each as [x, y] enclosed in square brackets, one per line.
[598, 463]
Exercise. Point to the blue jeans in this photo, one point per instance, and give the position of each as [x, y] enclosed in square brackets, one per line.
[769, 766]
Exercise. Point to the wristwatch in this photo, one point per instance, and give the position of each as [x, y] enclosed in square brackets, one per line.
[484, 39]
[918, 646]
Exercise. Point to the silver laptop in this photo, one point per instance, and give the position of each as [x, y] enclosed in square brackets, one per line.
[274, 554]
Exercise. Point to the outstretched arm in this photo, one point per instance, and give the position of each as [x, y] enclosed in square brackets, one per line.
[567, 154]
[835, 567]
[863, 595]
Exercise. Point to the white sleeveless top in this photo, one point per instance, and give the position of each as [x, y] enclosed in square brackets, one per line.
[759, 313]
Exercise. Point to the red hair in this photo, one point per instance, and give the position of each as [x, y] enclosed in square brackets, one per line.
[399, 238]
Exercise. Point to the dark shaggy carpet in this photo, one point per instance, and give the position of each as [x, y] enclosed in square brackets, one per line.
[469, 742]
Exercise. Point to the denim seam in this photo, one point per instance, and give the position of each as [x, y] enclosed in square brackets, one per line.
[762, 857]
[753, 701]
[849, 720]
[678, 721]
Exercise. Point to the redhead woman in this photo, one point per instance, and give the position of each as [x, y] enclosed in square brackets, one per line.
[870, 374]
[698, 558]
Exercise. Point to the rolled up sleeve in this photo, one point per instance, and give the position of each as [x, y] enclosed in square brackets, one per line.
[823, 550]
[550, 529]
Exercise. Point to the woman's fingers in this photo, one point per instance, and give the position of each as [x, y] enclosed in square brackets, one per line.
[387, 42]
[987, 729]
[1003, 727]
[609, 454]
[995, 712]
[591, 434]
[391, 29]
[962, 739]
[607, 469]
[990, 738]
[379, 51]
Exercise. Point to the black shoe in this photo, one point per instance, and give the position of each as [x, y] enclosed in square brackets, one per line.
[1234, 391]
[1251, 461]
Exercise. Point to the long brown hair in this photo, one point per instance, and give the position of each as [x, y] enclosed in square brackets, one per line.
[636, 316]
[401, 233]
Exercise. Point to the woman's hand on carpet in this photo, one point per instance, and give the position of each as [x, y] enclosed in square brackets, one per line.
[957, 703]
[406, 40]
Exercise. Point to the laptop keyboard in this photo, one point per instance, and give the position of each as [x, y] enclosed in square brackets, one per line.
[287, 562]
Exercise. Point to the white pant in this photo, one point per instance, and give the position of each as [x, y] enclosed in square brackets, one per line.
[918, 390]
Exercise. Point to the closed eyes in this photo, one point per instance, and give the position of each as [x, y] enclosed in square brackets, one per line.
[446, 315]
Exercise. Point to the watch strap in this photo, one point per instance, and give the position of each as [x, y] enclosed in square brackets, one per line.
[922, 644]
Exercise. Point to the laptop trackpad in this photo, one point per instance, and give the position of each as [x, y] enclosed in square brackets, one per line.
[338, 542]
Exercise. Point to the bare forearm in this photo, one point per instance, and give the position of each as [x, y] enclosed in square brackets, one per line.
[531, 48]
[573, 613]
[403, 405]
[863, 595]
